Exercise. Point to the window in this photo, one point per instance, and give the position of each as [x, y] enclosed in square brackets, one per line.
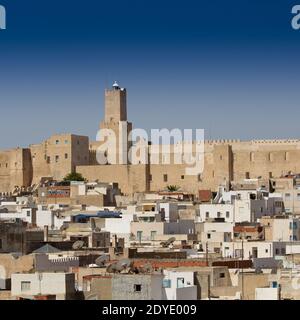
[207, 214]
[266, 250]
[66, 141]
[139, 235]
[270, 157]
[56, 158]
[28, 213]
[180, 282]
[222, 275]
[66, 156]
[219, 214]
[199, 177]
[182, 177]
[0, 243]
[294, 225]
[165, 177]
[208, 236]
[57, 142]
[270, 175]
[78, 143]
[153, 234]
[298, 196]
[276, 251]
[287, 196]
[166, 283]
[227, 214]
[247, 175]
[25, 285]
[137, 288]
[48, 159]
[286, 156]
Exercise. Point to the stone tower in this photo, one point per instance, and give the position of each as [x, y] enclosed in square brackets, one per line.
[115, 119]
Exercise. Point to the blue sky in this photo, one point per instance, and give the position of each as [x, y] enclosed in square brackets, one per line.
[230, 67]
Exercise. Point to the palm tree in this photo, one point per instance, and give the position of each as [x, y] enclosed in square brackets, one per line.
[173, 188]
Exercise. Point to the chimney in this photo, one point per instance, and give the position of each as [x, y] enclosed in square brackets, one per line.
[46, 233]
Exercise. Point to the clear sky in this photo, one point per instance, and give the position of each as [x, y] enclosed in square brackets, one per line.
[231, 67]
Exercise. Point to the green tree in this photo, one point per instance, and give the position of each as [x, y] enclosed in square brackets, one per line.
[73, 176]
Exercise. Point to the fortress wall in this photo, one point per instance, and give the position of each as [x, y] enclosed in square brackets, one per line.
[15, 169]
[130, 178]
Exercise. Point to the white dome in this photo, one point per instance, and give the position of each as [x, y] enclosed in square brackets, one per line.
[116, 85]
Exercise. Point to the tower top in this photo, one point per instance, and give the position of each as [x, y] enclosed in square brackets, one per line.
[116, 86]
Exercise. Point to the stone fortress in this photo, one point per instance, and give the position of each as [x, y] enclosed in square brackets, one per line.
[225, 161]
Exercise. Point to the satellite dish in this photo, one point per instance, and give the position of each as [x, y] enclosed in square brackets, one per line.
[78, 245]
[147, 268]
[170, 241]
[63, 227]
[100, 262]
[111, 268]
[124, 264]
[119, 266]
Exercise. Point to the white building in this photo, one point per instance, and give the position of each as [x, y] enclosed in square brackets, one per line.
[266, 294]
[241, 206]
[282, 228]
[179, 285]
[62, 285]
[253, 249]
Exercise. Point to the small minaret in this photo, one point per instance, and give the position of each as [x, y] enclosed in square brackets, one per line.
[115, 104]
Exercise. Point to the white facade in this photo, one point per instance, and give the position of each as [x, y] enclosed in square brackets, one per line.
[50, 219]
[32, 284]
[121, 227]
[24, 214]
[282, 229]
[213, 211]
[253, 249]
[266, 294]
[170, 209]
[241, 206]
[179, 285]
